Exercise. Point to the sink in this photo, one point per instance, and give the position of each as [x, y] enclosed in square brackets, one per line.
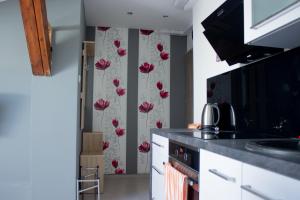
[282, 147]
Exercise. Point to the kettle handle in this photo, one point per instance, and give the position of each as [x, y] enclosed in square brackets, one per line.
[218, 111]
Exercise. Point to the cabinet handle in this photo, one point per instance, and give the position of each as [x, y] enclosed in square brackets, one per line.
[221, 175]
[158, 171]
[159, 145]
[249, 189]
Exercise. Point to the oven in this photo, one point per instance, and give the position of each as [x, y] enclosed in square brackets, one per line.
[186, 160]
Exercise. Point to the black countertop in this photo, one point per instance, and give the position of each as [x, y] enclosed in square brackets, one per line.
[235, 149]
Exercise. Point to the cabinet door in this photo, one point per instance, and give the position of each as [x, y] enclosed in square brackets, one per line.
[272, 23]
[160, 148]
[161, 142]
[261, 184]
[158, 190]
[220, 177]
[263, 10]
[159, 157]
[154, 185]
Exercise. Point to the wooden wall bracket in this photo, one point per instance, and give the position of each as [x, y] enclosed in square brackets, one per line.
[38, 35]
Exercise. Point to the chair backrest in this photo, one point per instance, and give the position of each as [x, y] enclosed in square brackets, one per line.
[92, 142]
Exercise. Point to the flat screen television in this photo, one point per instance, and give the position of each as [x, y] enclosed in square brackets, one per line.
[265, 94]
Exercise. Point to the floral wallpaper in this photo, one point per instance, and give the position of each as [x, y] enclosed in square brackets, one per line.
[153, 90]
[110, 97]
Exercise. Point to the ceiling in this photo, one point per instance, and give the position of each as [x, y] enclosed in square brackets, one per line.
[147, 14]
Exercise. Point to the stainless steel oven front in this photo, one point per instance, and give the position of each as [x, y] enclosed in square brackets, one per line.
[185, 159]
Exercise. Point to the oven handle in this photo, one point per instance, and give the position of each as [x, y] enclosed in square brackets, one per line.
[157, 170]
[181, 163]
[221, 175]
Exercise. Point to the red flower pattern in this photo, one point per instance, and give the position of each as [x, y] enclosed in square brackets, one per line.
[115, 163]
[120, 132]
[163, 94]
[117, 43]
[160, 47]
[159, 124]
[101, 104]
[121, 52]
[102, 64]
[103, 28]
[119, 171]
[116, 82]
[164, 55]
[146, 68]
[120, 91]
[105, 145]
[115, 123]
[159, 85]
[146, 32]
[146, 107]
[144, 147]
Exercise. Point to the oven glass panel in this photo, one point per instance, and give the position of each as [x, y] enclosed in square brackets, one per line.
[185, 155]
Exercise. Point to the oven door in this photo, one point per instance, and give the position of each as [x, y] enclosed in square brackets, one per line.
[193, 192]
[192, 180]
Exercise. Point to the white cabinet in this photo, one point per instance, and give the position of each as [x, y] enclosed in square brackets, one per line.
[260, 184]
[160, 151]
[223, 178]
[220, 177]
[158, 192]
[161, 142]
[159, 157]
[273, 23]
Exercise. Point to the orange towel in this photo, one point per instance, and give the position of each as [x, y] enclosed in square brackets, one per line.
[176, 187]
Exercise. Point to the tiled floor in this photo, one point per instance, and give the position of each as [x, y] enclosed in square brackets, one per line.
[127, 187]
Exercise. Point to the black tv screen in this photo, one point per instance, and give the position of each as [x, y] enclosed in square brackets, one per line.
[265, 94]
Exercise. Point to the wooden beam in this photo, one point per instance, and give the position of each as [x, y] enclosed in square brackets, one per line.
[37, 35]
[50, 33]
[43, 32]
[31, 33]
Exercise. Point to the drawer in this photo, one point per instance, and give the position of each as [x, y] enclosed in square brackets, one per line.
[158, 187]
[159, 157]
[260, 184]
[213, 162]
[161, 142]
[220, 177]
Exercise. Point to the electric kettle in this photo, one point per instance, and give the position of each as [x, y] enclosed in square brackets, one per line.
[227, 120]
[210, 116]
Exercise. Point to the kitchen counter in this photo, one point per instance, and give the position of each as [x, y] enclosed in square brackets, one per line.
[235, 149]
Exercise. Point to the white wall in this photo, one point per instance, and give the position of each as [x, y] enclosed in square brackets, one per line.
[54, 108]
[205, 65]
[15, 81]
[189, 40]
[39, 129]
